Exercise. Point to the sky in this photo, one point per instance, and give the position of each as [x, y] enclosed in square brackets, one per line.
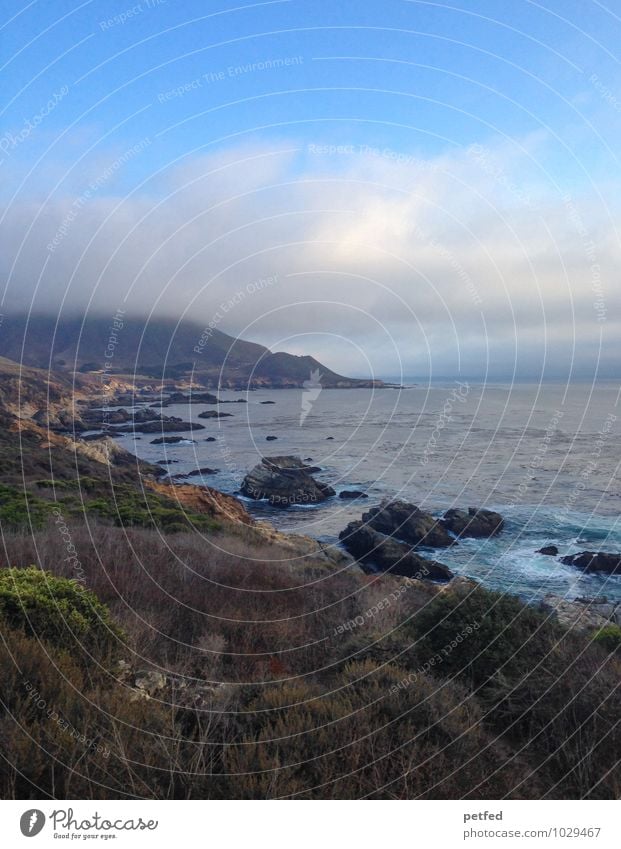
[398, 187]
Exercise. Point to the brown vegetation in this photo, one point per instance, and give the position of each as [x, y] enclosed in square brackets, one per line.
[294, 678]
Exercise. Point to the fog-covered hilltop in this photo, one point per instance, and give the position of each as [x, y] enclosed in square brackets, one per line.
[158, 348]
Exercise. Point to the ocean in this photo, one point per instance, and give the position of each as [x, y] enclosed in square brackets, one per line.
[546, 456]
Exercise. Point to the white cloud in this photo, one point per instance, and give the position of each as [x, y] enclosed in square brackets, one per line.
[461, 260]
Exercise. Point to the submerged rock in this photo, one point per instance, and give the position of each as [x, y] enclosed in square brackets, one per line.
[352, 493]
[284, 481]
[594, 561]
[405, 521]
[389, 555]
[170, 440]
[474, 522]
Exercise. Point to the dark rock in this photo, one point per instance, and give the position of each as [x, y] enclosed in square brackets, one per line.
[271, 438]
[352, 493]
[197, 472]
[594, 561]
[192, 398]
[284, 483]
[169, 440]
[405, 521]
[210, 439]
[267, 402]
[165, 424]
[550, 550]
[165, 462]
[329, 437]
[389, 555]
[213, 414]
[473, 523]
[104, 416]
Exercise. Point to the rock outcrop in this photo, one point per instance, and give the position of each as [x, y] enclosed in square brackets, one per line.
[283, 482]
[389, 555]
[203, 499]
[405, 521]
[595, 561]
[582, 614]
[150, 681]
[549, 550]
[474, 522]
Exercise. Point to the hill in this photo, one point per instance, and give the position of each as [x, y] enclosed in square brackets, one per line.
[161, 349]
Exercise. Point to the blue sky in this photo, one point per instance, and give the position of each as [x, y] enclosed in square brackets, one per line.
[500, 120]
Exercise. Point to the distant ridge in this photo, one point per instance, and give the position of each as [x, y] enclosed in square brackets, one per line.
[160, 350]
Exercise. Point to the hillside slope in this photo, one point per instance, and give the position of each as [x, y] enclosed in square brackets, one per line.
[160, 349]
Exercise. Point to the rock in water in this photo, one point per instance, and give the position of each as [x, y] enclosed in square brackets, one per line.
[550, 550]
[352, 493]
[405, 521]
[284, 481]
[192, 398]
[214, 414]
[594, 561]
[390, 555]
[170, 440]
[473, 523]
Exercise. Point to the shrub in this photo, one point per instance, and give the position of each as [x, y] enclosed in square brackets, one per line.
[19, 508]
[609, 637]
[481, 636]
[58, 610]
[65, 735]
[376, 734]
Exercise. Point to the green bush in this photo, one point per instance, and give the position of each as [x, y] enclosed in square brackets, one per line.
[480, 635]
[129, 508]
[21, 509]
[58, 610]
[609, 637]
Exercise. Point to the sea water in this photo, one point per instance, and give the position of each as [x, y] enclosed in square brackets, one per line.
[546, 456]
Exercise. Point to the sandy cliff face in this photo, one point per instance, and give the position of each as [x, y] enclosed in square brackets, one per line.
[203, 499]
